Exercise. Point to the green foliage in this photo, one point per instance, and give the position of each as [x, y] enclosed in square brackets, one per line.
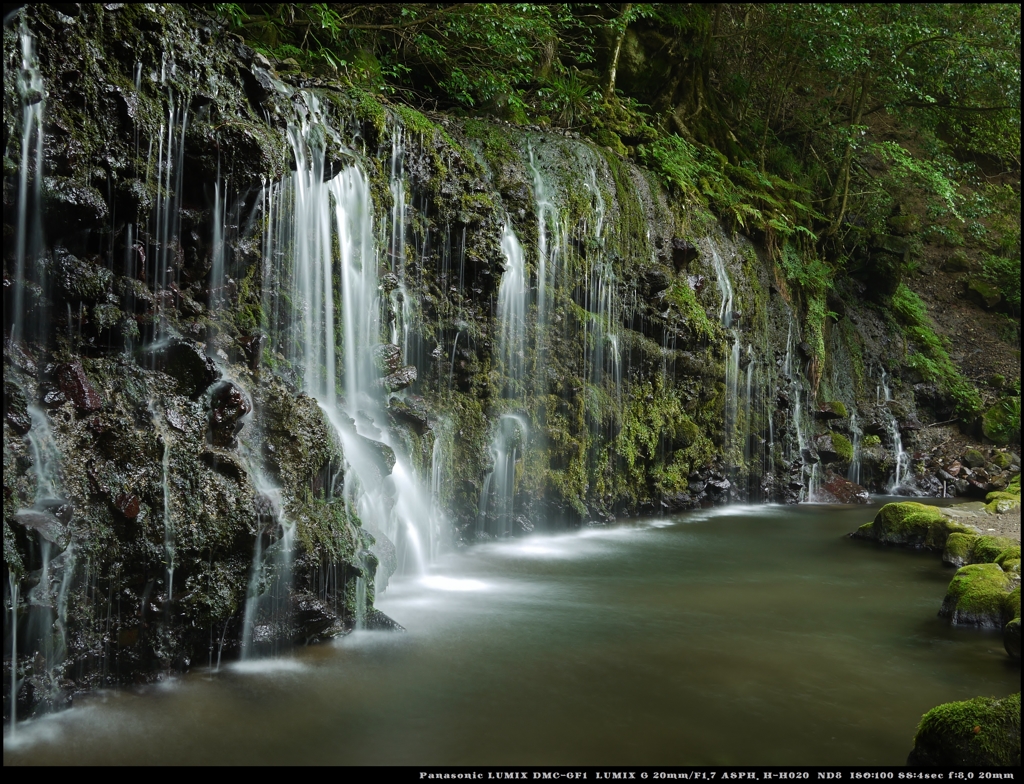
[753, 199]
[871, 440]
[931, 358]
[1004, 274]
[682, 296]
[1001, 422]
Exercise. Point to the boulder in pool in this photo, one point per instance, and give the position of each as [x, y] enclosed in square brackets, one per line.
[982, 732]
[910, 524]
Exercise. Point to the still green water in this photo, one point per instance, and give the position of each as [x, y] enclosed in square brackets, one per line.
[743, 635]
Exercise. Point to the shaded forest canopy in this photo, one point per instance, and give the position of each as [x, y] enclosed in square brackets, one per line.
[823, 129]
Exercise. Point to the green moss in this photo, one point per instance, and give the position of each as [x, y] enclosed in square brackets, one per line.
[681, 295]
[1001, 460]
[999, 501]
[1001, 422]
[842, 446]
[977, 596]
[1008, 557]
[974, 458]
[959, 548]
[871, 440]
[914, 524]
[838, 408]
[988, 548]
[984, 731]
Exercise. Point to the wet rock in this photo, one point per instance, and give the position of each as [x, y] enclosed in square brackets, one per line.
[16, 408]
[75, 280]
[228, 404]
[128, 505]
[387, 357]
[187, 363]
[656, 280]
[833, 448]
[72, 204]
[382, 456]
[77, 388]
[718, 486]
[223, 463]
[400, 379]
[683, 252]
[252, 345]
[16, 354]
[412, 415]
[43, 524]
[979, 595]
[375, 620]
[842, 491]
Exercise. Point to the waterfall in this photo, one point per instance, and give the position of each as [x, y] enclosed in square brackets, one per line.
[314, 322]
[165, 438]
[902, 466]
[512, 312]
[726, 315]
[267, 600]
[853, 473]
[806, 461]
[28, 240]
[508, 442]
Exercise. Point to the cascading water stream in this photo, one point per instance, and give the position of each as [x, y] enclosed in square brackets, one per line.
[853, 473]
[165, 463]
[507, 447]
[323, 231]
[902, 464]
[732, 367]
[28, 239]
[806, 460]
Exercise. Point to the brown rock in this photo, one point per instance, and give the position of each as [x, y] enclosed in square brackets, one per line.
[77, 388]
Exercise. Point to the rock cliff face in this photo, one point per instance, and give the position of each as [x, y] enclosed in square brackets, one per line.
[269, 340]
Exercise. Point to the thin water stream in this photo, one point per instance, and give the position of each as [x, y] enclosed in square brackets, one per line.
[743, 635]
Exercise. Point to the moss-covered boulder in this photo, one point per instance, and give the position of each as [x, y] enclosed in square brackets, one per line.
[964, 548]
[1011, 638]
[910, 524]
[1001, 422]
[984, 731]
[999, 501]
[979, 595]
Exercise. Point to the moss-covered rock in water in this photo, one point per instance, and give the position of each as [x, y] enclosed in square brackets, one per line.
[959, 548]
[911, 524]
[979, 595]
[1011, 637]
[984, 731]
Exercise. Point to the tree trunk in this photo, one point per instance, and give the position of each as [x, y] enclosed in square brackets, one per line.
[623, 23]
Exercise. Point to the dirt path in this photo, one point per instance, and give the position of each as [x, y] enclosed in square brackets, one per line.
[973, 514]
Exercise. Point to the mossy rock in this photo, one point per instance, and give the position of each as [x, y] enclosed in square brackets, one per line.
[911, 524]
[1001, 422]
[988, 549]
[974, 458]
[1001, 459]
[984, 731]
[959, 548]
[979, 595]
[983, 293]
[1011, 638]
[1000, 501]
